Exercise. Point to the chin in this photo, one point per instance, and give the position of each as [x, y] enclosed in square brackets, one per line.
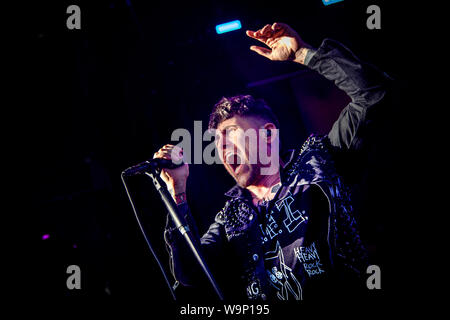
[246, 179]
[242, 182]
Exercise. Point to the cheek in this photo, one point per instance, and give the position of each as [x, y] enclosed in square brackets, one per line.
[219, 151]
[251, 151]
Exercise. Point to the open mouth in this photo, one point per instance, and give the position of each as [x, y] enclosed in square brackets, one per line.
[234, 161]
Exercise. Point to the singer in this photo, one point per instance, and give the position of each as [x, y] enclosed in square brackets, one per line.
[290, 234]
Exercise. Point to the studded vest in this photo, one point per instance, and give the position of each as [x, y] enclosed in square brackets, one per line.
[247, 230]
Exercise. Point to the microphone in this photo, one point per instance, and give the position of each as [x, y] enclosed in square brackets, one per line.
[157, 163]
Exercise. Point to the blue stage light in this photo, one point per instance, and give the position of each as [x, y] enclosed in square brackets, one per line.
[328, 2]
[228, 26]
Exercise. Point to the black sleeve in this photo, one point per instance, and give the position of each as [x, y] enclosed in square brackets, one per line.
[363, 83]
[184, 266]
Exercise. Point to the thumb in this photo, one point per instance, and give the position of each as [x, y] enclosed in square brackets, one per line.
[261, 51]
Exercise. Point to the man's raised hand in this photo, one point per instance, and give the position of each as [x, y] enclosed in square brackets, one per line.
[283, 42]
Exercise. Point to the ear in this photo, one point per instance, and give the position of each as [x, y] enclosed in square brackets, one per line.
[270, 131]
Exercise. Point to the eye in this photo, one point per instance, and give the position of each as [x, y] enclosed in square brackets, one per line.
[231, 132]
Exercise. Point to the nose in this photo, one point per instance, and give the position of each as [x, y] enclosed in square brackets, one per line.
[221, 141]
[223, 145]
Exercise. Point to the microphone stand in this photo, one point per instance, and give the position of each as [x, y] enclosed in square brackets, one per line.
[166, 197]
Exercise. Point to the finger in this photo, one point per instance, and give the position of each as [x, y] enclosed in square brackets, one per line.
[167, 151]
[162, 152]
[267, 30]
[276, 26]
[280, 25]
[259, 32]
[165, 147]
[253, 34]
[284, 28]
[262, 51]
[174, 151]
[174, 154]
[250, 33]
[262, 32]
[162, 155]
[158, 154]
[170, 148]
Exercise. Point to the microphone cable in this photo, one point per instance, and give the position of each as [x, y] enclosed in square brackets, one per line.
[147, 240]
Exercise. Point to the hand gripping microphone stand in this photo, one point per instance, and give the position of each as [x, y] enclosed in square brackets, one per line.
[152, 169]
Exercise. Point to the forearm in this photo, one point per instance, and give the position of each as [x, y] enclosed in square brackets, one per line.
[184, 266]
[181, 258]
[363, 83]
[178, 192]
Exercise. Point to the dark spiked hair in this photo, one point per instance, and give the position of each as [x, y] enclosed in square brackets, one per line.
[242, 105]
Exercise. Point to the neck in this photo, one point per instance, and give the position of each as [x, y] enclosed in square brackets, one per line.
[261, 190]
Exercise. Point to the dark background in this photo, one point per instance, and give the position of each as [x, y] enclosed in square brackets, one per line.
[108, 96]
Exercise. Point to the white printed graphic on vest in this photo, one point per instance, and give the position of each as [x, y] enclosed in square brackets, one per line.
[270, 230]
[310, 259]
[281, 276]
[291, 222]
[293, 219]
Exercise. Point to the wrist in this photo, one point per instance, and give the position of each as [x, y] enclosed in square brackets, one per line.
[300, 54]
[180, 197]
[178, 188]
